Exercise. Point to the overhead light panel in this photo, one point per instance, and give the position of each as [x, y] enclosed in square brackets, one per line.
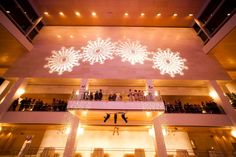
[94, 14]
[61, 13]
[175, 14]
[77, 13]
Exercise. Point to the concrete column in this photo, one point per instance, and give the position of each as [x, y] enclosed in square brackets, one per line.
[71, 139]
[11, 96]
[159, 139]
[222, 100]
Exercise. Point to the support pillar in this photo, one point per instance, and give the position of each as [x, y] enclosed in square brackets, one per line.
[7, 101]
[71, 139]
[159, 139]
[223, 101]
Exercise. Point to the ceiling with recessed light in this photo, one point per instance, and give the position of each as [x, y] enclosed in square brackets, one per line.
[174, 13]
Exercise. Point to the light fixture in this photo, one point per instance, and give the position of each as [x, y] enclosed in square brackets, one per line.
[159, 14]
[77, 13]
[132, 52]
[151, 131]
[169, 62]
[175, 14]
[46, 13]
[164, 131]
[213, 94]
[142, 14]
[148, 114]
[84, 113]
[228, 14]
[94, 14]
[115, 118]
[190, 14]
[0, 127]
[20, 91]
[8, 12]
[126, 14]
[156, 93]
[63, 60]
[61, 13]
[124, 117]
[71, 36]
[58, 36]
[67, 130]
[77, 92]
[106, 117]
[233, 133]
[98, 51]
[80, 130]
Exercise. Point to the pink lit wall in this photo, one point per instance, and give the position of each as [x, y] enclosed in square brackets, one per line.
[183, 40]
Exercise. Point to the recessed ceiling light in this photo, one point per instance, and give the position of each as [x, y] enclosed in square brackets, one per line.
[94, 14]
[8, 12]
[46, 13]
[190, 14]
[126, 14]
[58, 36]
[61, 13]
[228, 14]
[77, 13]
[142, 14]
[175, 14]
[159, 14]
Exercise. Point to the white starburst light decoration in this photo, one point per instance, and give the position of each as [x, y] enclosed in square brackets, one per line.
[63, 60]
[169, 62]
[98, 51]
[132, 52]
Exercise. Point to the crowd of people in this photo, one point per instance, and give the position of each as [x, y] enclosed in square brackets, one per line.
[133, 95]
[30, 104]
[205, 107]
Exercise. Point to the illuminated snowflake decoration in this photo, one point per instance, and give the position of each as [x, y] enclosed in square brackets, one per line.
[168, 62]
[132, 52]
[63, 60]
[98, 51]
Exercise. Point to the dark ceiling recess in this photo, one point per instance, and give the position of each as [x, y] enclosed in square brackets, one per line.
[22, 14]
[215, 15]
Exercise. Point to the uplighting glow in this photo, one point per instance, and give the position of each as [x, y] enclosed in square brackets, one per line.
[80, 131]
[63, 60]
[213, 94]
[132, 52]
[164, 131]
[175, 14]
[148, 114]
[77, 13]
[61, 13]
[67, 131]
[233, 133]
[94, 14]
[98, 51]
[20, 92]
[169, 62]
[151, 131]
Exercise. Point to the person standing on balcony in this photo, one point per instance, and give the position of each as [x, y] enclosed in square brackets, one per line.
[100, 94]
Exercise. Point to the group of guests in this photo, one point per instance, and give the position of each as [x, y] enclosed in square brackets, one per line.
[30, 104]
[133, 95]
[205, 107]
[97, 96]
